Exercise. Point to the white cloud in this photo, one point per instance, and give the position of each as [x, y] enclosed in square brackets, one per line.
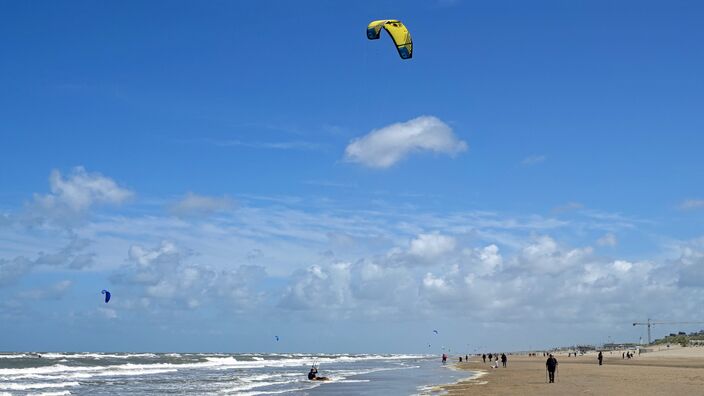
[194, 204]
[71, 257]
[533, 160]
[692, 204]
[384, 147]
[165, 276]
[608, 239]
[544, 256]
[76, 193]
[431, 246]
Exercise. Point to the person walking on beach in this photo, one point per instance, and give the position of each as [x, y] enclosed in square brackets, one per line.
[600, 357]
[504, 359]
[444, 358]
[483, 357]
[551, 366]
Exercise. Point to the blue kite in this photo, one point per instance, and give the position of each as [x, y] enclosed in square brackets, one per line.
[107, 295]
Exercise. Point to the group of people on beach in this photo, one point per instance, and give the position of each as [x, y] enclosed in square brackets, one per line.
[495, 357]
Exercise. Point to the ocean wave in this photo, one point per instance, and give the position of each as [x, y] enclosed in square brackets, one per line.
[97, 356]
[222, 363]
[19, 387]
[61, 393]
[254, 385]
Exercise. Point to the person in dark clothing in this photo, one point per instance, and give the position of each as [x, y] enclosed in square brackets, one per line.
[600, 357]
[460, 359]
[466, 358]
[551, 366]
[491, 356]
[504, 359]
[313, 373]
[484, 357]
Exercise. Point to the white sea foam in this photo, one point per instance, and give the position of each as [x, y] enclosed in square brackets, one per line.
[16, 386]
[97, 356]
[258, 384]
[61, 393]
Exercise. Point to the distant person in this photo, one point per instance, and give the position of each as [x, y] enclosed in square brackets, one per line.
[623, 355]
[504, 359]
[460, 359]
[444, 358]
[466, 358]
[551, 366]
[483, 357]
[600, 357]
[491, 356]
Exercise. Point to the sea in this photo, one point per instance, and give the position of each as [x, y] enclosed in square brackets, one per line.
[53, 374]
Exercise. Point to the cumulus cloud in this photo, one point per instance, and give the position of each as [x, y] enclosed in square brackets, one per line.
[195, 205]
[384, 147]
[165, 276]
[431, 246]
[544, 256]
[76, 193]
[72, 256]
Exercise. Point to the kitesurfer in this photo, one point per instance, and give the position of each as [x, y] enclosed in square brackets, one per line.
[313, 373]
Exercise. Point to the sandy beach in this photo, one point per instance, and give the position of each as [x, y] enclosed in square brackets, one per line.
[674, 371]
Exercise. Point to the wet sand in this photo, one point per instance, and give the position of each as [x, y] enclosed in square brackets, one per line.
[678, 371]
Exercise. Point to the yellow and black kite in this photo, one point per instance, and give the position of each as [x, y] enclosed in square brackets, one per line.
[398, 33]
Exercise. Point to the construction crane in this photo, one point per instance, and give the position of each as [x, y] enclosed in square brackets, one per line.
[650, 323]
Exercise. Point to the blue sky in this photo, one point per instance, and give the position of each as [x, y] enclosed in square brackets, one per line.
[234, 171]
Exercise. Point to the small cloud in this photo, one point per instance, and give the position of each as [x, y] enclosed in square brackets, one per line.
[382, 148]
[568, 207]
[77, 192]
[432, 245]
[608, 239]
[194, 204]
[691, 204]
[533, 160]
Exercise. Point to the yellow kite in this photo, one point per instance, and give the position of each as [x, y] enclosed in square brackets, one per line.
[398, 33]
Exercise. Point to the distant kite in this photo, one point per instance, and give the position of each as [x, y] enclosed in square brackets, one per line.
[277, 338]
[107, 295]
[435, 331]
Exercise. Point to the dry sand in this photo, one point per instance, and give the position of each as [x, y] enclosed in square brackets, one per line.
[678, 371]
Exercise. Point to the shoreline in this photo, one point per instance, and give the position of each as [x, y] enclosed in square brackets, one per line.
[679, 370]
